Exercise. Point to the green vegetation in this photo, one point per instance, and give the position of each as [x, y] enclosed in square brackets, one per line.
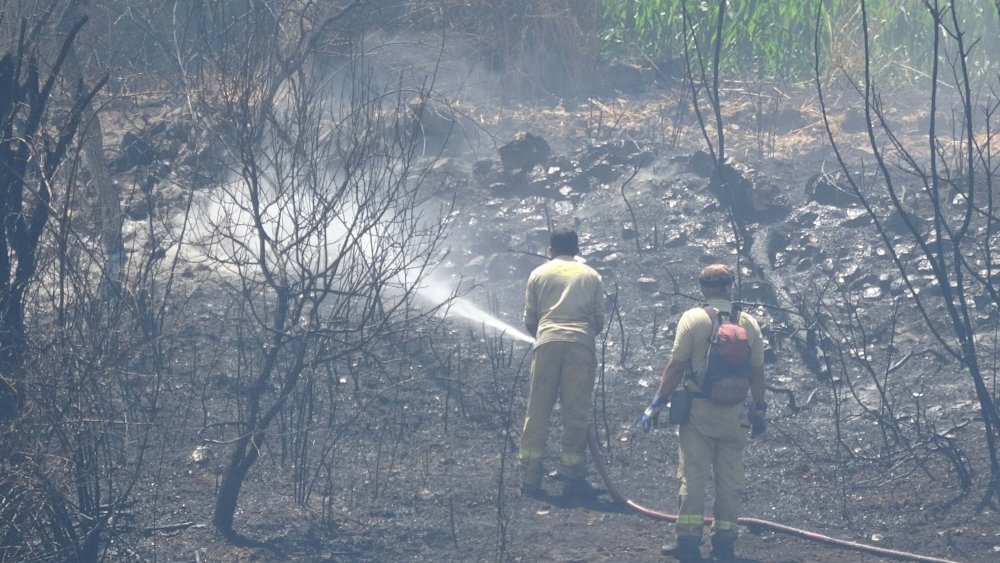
[774, 39]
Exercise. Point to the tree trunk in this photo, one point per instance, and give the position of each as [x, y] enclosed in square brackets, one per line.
[228, 496]
[12, 343]
[108, 215]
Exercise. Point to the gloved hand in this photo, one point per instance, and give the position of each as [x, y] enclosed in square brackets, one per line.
[651, 416]
[758, 420]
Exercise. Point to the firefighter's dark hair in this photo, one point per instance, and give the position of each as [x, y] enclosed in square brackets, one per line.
[564, 241]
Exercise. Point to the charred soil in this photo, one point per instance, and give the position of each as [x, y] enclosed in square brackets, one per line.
[427, 472]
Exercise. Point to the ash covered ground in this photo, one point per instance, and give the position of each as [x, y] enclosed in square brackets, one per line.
[434, 478]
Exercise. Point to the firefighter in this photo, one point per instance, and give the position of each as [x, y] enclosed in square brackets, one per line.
[713, 436]
[564, 311]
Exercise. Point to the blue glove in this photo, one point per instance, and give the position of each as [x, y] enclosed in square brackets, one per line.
[651, 416]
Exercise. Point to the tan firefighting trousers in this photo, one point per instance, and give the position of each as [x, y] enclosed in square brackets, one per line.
[563, 370]
[713, 438]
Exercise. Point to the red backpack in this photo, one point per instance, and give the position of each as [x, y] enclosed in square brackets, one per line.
[725, 380]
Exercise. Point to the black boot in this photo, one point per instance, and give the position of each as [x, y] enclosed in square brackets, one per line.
[686, 550]
[531, 477]
[723, 549]
[578, 489]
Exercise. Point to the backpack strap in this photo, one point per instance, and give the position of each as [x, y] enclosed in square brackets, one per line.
[699, 376]
[735, 313]
[713, 314]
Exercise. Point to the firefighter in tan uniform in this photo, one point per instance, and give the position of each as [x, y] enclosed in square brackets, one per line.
[713, 439]
[564, 311]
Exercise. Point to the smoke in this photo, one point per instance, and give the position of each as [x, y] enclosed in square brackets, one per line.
[297, 218]
[299, 234]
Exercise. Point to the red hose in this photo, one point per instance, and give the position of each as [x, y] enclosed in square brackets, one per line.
[602, 468]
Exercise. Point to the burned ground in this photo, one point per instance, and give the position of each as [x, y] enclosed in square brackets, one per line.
[427, 474]
[424, 469]
[283, 172]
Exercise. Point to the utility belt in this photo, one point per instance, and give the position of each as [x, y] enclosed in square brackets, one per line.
[681, 401]
[691, 386]
[680, 405]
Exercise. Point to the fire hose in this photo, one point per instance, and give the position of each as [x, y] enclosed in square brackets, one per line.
[753, 523]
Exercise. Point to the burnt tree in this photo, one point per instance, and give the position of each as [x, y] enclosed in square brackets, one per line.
[38, 123]
[950, 218]
[29, 159]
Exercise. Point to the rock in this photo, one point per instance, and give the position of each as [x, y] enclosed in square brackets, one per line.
[806, 220]
[613, 259]
[524, 152]
[538, 236]
[201, 456]
[708, 258]
[641, 159]
[823, 189]
[486, 172]
[776, 241]
[592, 154]
[431, 119]
[863, 281]
[482, 168]
[772, 212]
[648, 283]
[580, 184]
[627, 146]
[701, 164]
[668, 69]
[602, 172]
[502, 189]
[602, 249]
[510, 266]
[789, 119]
[623, 151]
[857, 220]
[138, 210]
[618, 76]
[135, 151]
[734, 192]
[543, 189]
[897, 221]
[673, 238]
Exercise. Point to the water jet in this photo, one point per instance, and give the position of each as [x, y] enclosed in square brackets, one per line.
[438, 294]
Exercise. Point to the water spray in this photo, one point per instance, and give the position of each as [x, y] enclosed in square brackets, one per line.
[438, 294]
[223, 212]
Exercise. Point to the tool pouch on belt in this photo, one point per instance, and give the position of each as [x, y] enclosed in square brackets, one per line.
[680, 406]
